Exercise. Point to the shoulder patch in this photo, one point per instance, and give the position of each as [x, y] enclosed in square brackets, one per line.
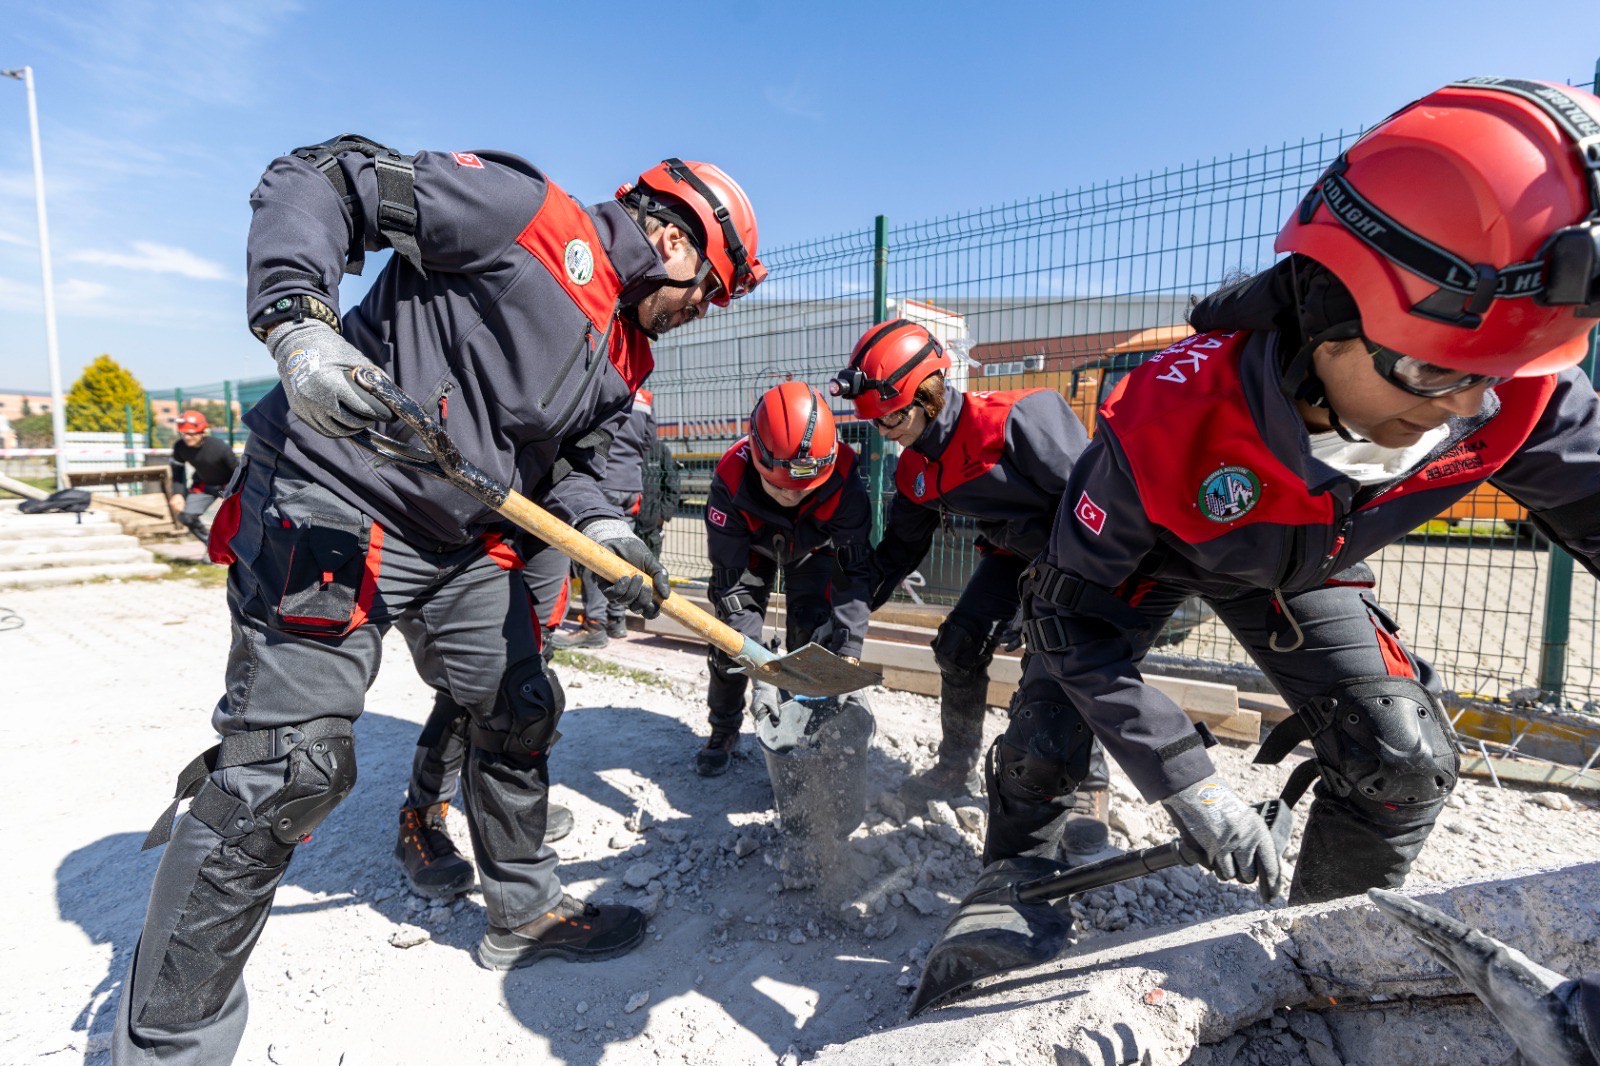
[716, 517]
[1228, 493]
[1091, 514]
[467, 159]
[578, 258]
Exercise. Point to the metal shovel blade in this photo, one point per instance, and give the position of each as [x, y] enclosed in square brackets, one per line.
[988, 937]
[814, 671]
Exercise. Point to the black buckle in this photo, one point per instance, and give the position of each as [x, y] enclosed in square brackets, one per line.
[1047, 634]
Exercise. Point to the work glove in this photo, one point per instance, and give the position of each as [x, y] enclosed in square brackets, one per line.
[617, 536]
[1010, 638]
[1232, 837]
[1535, 1005]
[314, 363]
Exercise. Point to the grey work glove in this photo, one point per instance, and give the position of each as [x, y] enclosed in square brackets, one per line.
[617, 536]
[1232, 837]
[1532, 1003]
[314, 363]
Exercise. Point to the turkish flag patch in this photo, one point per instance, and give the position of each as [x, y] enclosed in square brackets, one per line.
[467, 159]
[1090, 514]
[716, 516]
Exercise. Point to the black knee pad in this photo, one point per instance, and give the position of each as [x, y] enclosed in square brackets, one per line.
[526, 710]
[321, 773]
[1385, 743]
[963, 647]
[1044, 752]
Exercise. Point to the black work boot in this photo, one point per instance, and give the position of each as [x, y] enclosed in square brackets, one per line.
[572, 930]
[433, 866]
[617, 629]
[1085, 835]
[558, 823]
[713, 759]
[961, 710]
[590, 637]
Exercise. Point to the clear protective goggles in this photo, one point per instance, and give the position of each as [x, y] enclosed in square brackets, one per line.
[1421, 378]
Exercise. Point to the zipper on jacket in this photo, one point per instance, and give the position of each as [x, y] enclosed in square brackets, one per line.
[598, 358]
[1330, 562]
[566, 367]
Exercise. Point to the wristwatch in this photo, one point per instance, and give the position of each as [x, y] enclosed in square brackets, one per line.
[293, 309]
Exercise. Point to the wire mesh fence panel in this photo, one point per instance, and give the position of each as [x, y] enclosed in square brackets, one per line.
[1070, 292]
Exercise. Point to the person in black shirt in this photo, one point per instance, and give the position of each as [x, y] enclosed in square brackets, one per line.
[213, 462]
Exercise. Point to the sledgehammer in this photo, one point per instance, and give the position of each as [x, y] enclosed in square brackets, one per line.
[812, 671]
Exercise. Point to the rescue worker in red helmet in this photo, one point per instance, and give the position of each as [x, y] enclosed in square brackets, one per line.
[523, 320]
[999, 457]
[1420, 338]
[789, 497]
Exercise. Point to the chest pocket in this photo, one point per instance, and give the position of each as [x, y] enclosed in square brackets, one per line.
[574, 381]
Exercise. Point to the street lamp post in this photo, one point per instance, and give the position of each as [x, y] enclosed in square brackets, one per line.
[58, 407]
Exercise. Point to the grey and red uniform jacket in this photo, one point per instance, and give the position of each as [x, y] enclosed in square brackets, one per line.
[744, 526]
[1201, 477]
[633, 436]
[999, 457]
[512, 337]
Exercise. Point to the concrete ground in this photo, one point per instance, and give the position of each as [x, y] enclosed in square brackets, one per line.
[110, 686]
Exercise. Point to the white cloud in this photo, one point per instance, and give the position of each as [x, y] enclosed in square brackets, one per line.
[16, 239]
[151, 258]
[792, 100]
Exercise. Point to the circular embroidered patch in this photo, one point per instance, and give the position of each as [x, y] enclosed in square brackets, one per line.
[579, 261]
[920, 486]
[1229, 493]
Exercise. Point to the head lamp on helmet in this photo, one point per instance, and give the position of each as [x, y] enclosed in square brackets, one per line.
[888, 363]
[1467, 225]
[793, 437]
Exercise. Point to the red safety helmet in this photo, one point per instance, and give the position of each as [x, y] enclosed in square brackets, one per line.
[1467, 227]
[792, 436]
[192, 421]
[889, 362]
[708, 205]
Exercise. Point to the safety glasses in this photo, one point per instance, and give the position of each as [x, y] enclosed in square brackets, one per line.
[801, 468]
[1424, 379]
[894, 419]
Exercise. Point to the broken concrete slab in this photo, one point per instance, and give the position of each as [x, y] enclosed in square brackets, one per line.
[1162, 999]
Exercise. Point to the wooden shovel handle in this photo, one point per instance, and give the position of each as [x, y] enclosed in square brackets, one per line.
[611, 566]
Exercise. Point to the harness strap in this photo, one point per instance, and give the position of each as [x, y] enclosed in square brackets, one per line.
[738, 600]
[397, 200]
[1074, 596]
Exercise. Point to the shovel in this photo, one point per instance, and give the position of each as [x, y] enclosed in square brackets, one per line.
[813, 670]
[963, 957]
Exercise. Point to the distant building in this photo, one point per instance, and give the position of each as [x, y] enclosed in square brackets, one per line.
[11, 401]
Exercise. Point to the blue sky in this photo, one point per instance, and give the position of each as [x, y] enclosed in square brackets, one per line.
[157, 118]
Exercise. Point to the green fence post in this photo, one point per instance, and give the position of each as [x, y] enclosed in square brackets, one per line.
[149, 421]
[1558, 600]
[227, 406]
[127, 435]
[880, 312]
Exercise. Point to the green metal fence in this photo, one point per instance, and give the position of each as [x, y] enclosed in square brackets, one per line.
[1070, 291]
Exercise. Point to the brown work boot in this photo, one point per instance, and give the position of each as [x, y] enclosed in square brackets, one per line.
[590, 638]
[433, 866]
[1086, 836]
[713, 759]
[576, 931]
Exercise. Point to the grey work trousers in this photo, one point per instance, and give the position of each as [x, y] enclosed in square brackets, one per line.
[303, 557]
[1350, 843]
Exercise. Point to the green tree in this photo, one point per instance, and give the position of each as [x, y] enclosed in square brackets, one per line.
[33, 431]
[27, 408]
[96, 401]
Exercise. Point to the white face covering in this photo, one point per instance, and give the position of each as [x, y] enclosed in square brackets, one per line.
[1367, 463]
